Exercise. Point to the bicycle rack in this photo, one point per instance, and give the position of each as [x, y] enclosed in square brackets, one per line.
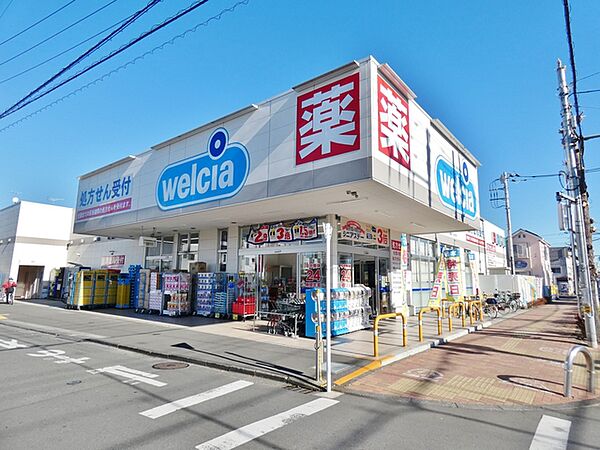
[569, 369]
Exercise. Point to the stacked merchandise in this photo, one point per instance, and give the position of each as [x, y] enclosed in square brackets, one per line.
[134, 271]
[123, 289]
[155, 297]
[205, 290]
[111, 293]
[141, 299]
[225, 291]
[350, 310]
[244, 306]
[100, 287]
[82, 289]
[264, 298]
[176, 289]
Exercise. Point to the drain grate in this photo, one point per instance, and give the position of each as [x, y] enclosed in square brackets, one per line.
[170, 365]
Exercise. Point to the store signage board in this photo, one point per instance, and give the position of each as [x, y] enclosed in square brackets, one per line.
[328, 120]
[298, 230]
[104, 199]
[455, 189]
[394, 135]
[112, 262]
[216, 174]
[364, 232]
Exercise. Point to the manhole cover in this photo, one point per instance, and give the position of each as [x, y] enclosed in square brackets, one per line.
[170, 365]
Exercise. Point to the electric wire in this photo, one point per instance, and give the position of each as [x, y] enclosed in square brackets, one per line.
[34, 24]
[125, 65]
[5, 9]
[27, 99]
[111, 55]
[61, 53]
[43, 41]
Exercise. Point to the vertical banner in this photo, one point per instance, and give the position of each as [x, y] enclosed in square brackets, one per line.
[454, 290]
[436, 291]
[398, 274]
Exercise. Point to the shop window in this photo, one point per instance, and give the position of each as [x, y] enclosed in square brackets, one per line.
[223, 236]
[194, 242]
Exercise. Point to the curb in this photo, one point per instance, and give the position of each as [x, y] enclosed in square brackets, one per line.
[389, 359]
[288, 379]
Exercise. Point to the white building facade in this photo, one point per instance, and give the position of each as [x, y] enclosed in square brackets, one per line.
[252, 191]
[532, 256]
[33, 241]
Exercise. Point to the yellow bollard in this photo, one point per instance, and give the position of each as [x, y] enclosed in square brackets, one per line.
[376, 330]
[438, 310]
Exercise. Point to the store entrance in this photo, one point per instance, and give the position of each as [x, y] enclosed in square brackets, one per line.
[279, 277]
[372, 272]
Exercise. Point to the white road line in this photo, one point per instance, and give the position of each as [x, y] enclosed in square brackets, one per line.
[168, 408]
[552, 434]
[247, 433]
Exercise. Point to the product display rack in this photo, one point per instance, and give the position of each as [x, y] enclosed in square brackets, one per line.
[176, 287]
[350, 310]
[244, 306]
[206, 284]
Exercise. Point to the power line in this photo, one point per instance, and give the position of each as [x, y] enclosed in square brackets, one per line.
[34, 24]
[111, 55]
[5, 9]
[125, 65]
[25, 100]
[61, 53]
[591, 91]
[56, 34]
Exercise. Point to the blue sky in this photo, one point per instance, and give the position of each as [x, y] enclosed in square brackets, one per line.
[485, 68]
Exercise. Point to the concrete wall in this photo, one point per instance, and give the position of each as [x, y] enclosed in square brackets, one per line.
[89, 252]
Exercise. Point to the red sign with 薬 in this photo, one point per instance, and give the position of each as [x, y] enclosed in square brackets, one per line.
[394, 136]
[328, 120]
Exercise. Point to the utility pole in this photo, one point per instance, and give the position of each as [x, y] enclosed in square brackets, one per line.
[570, 141]
[511, 251]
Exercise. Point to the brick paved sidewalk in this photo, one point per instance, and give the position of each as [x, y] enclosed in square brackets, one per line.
[518, 361]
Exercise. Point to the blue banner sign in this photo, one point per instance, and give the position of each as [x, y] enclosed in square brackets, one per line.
[215, 174]
[455, 189]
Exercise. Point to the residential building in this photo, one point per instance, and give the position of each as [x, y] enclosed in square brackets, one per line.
[561, 263]
[532, 255]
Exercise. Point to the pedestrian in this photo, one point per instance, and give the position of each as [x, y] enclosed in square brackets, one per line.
[9, 289]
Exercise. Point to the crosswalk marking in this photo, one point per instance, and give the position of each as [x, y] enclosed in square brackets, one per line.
[132, 376]
[552, 433]
[254, 430]
[192, 400]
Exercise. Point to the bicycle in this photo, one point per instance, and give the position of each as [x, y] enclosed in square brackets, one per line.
[490, 308]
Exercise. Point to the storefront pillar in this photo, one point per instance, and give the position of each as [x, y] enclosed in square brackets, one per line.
[233, 247]
[335, 273]
[207, 248]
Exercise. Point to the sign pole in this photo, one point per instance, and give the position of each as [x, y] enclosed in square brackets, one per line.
[328, 231]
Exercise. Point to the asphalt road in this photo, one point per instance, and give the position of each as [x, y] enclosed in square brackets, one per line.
[67, 394]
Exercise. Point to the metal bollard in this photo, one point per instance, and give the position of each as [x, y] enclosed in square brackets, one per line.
[569, 369]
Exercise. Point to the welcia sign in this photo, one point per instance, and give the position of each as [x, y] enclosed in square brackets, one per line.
[218, 173]
[455, 189]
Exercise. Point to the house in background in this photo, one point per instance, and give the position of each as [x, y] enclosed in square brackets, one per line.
[561, 263]
[532, 256]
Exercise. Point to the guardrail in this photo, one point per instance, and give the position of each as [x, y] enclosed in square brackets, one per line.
[427, 309]
[569, 369]
[376, 330]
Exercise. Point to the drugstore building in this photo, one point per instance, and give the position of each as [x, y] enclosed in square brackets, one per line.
[250, 192]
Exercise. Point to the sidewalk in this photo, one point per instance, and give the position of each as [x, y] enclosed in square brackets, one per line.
[227, 345]
[516, 362]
